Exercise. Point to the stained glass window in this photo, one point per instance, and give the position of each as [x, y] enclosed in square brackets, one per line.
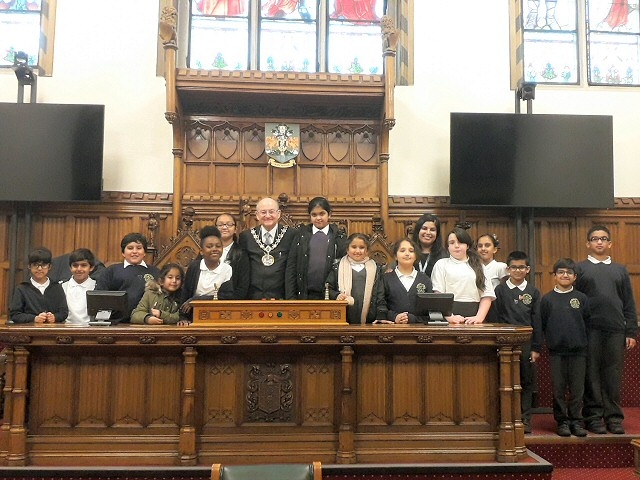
[341, 36]
[550, 41]
[19, 30]
[219, 35]
[356, 24]
[613, 42]
[609, 31]
[288, 32]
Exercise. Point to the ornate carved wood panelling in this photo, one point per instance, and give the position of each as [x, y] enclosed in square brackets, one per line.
[228, 157]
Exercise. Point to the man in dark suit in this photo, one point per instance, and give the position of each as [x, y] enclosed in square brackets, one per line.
[268, 247]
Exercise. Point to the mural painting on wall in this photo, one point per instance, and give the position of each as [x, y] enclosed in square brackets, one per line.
[282, 144]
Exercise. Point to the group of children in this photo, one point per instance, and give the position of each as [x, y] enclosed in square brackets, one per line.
[587, 321]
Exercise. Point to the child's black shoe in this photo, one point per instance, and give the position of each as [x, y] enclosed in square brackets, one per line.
[578, 430]
[563, 430]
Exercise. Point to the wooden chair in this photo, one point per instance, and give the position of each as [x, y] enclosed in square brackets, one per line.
[288, 471]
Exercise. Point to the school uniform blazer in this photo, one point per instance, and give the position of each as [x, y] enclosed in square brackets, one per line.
[398, 299]
[28, 302]
[298, 265]
[268, 281]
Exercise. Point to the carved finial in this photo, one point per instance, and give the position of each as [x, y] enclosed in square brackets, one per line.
[187, 218]
[409, 225]
[167, 30]
[152, 225]
[389, 34]
[283, 199]
[377, 227]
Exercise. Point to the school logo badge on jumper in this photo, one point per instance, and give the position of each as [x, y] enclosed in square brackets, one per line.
[282, 144]
[575, 303]
[527, 299]
[421, 288]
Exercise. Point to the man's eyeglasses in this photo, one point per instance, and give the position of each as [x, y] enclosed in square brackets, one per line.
[602, 239]
[225, 225]
[39, 266]
[263, 213]
[562, 273]
[519, 268]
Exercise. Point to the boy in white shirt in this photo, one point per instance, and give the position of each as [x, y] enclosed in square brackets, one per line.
[82, 262]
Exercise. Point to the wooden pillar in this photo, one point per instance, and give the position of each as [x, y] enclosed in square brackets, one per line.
[346, 443]
[7, 397]
[521, 449]
[187, 423]
[389, 48]
[506, 451]
[168, 21]
[17, 451]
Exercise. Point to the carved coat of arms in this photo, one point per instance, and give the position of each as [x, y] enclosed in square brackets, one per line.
[282, 144]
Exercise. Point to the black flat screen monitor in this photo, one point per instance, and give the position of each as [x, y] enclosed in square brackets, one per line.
[518, 160]
[435, 303]
[51, 152]
[108, 300]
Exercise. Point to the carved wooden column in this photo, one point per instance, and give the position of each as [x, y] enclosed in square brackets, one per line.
[346, 444]
[389, 48]
[7, 397]
[173, 112]
[187, 425]
[506, 435]
[521, 450]
[17, 451]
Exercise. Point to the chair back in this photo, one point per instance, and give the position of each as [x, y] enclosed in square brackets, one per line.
[285, 471]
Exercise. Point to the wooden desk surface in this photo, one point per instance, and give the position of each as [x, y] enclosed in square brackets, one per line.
[168, 395]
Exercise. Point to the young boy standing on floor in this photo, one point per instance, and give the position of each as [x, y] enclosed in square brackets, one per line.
[612, 330]
[564, 313]
[518, 303]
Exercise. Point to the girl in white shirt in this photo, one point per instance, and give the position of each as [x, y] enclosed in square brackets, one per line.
[208, 277]
[463, 275]
[488, 246]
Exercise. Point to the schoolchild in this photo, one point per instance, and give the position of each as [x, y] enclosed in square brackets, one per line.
[160, 303]
[518, 303]
[356, 279]
[402, 286]
[612, 330]
[463, 275]
[81, 262]
[132, 274]
[318, 247]
[488, 246]
[234, 255]
[38, 300]
[426, 234]
[564, 313]
[208, 276]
